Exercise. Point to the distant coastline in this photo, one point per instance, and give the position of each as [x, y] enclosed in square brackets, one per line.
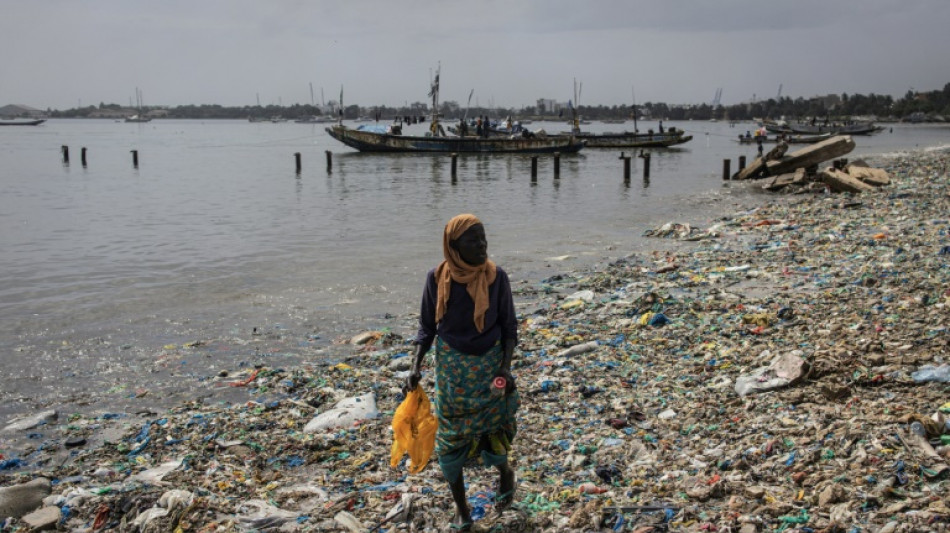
[915, 106]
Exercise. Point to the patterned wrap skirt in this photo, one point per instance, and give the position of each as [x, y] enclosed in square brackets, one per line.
[472, 422]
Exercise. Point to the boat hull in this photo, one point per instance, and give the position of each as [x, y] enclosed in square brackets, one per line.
[35, 122]
[789, 139]
[807, 129]
[633, 140]
[368, 141]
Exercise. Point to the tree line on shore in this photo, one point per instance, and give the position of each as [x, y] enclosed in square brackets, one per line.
[914, 105]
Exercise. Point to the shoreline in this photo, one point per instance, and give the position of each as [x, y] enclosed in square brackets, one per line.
[650, 417]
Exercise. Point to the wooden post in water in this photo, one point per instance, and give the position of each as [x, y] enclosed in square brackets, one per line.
[646, 164]
[82, 156]
[726, 163]
[455, 163]
[557, 164]
[135, 158]
[741, 163]
[297, 159]
[329, 161]
[534, 168]
[65, 150]
[626, 167]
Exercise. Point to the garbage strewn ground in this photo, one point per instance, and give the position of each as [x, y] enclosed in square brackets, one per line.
[784, 370]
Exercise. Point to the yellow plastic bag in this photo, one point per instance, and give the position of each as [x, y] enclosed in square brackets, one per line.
[414, 428]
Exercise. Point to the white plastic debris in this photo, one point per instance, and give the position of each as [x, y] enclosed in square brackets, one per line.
[345, 413]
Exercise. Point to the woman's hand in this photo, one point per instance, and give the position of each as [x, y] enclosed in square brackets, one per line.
[415, 372]
[413, 379]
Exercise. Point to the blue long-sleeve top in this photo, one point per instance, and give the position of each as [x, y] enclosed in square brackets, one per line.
[457, 327]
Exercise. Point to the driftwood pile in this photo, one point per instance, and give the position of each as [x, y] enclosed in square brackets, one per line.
[799, 170]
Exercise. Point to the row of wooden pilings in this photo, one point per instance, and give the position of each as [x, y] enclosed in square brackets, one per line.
[82, 156]
[727, 163]
[534, 164]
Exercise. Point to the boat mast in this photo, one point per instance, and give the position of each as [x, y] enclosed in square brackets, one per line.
[634, 93]
[575, 121]
[341, 105]
[434, 93]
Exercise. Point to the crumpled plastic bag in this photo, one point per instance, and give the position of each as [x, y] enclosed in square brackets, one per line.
[414, 428]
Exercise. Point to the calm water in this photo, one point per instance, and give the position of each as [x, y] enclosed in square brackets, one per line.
[213, 235]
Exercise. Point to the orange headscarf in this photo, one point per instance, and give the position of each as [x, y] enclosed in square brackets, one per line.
[476, 278]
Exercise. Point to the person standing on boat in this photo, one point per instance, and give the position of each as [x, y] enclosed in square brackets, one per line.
[468, 312]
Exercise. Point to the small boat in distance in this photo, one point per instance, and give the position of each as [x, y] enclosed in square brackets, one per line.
[783, 137]
[314, 119]
[626, 139]
[21, 121]
[138, 117]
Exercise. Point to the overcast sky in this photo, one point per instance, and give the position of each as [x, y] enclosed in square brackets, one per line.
[58, 53]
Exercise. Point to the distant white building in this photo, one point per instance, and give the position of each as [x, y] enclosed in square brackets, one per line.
[20, 110]
[547, 105]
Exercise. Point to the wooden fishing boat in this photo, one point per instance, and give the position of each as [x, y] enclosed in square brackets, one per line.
[790, 139]
[373, 138]
[22, 122]
[629, 139]
[625, 139]
[856, 128]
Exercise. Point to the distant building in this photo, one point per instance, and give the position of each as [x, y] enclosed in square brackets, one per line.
[20, 110]
[548, 106]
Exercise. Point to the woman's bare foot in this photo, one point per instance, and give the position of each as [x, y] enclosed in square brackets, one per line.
[506, 488]
[461, 523]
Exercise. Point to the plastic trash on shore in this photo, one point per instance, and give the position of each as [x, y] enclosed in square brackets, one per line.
[932, 373]
[623, 426]
[345, 413]
[783, 371]
[414, 428]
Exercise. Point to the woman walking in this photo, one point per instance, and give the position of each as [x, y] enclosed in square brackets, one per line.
[468, 313]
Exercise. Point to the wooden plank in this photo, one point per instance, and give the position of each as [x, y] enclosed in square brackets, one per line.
[842, 182]
[872, 176]
[784, 180]
[812, 155]
[751, 171]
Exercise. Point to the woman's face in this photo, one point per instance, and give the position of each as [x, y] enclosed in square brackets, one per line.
[472, 245]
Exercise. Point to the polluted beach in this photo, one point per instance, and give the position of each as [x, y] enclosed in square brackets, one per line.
[446, 267]
[776, 363]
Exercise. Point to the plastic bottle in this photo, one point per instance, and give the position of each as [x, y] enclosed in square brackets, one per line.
[498, 385]
[932, 373]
